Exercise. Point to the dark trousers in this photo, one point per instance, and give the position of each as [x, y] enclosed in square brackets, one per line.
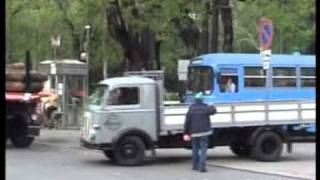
[199, 152]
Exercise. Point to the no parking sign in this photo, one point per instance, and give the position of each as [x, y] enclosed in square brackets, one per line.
[265, 32]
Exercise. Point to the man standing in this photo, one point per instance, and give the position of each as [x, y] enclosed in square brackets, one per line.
[197, 124]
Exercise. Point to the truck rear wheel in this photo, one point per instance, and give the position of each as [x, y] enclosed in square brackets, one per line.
[130, 151]
[22, 141]
[109, 154]
[19, 132]
[267, 146]
[240, 149]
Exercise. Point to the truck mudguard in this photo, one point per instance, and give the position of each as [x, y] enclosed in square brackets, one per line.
[283, 134]
[134, 132]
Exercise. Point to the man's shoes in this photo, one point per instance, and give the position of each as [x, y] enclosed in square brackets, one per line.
[195, 169]
[203, 170]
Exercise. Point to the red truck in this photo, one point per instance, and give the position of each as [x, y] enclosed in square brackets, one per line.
[22, 113]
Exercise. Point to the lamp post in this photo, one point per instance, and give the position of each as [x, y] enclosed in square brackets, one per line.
[87, 48]
[85, 56]
[55, 43]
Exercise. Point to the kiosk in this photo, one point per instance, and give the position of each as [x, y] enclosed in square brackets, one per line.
[67, 78]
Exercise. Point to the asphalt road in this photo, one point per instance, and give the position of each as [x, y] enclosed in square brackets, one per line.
[57, 155]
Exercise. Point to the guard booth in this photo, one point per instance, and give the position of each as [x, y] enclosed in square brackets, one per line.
[67, 78]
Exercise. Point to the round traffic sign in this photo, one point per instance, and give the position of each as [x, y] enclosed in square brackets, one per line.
[265, 32]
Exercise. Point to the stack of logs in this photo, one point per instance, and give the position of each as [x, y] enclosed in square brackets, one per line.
[16, 79]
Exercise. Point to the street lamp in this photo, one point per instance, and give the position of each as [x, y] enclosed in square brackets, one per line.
[87, 47]
[55, 43]
[85, 56]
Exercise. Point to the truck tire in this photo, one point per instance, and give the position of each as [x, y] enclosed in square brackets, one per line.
[130, 151]
[240, 149]
[267, 146]
[22, 141]
[109, 154]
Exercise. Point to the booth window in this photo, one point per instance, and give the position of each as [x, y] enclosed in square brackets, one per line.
[254, 77]
[308, 77]
[284, 77]
[124, 96]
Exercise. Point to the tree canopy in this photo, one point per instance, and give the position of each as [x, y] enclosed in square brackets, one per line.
[151, 34]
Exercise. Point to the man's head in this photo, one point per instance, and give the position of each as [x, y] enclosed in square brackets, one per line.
[198, 97]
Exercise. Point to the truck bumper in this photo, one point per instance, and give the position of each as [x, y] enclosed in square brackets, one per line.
[89, 145]
[33, 130]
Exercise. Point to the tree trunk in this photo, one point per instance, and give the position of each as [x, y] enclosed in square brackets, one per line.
[139, 47]
[214, 27]
[75, 44]
[226, 17]
[203, 41]
[157, 49]
[74, 34]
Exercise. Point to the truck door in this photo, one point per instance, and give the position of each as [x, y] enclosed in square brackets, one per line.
[126, 110]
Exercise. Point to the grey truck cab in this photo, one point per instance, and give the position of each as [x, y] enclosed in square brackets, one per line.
[121, 118]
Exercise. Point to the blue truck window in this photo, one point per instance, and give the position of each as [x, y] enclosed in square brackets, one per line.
[284, 77]
[308, 77]
[228, 80]
[254, 77]
[200, 79]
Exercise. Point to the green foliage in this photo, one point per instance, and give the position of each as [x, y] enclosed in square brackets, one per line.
[30, 24]
[293, 21]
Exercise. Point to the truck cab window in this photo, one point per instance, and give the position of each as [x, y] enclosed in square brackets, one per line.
[97, 96]
[200, 79]
[124, 96]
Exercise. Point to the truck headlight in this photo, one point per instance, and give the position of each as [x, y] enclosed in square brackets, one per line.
[93, 132]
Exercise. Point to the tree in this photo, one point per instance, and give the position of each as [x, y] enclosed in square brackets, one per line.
[153, 34]
[64, 7]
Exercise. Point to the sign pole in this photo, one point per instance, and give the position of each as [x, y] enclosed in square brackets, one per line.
[266, 34]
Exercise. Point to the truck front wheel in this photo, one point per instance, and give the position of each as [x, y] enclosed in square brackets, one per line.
[240, 149]
[22, 141]
[109, 154]
[130, 151]
[267, 146]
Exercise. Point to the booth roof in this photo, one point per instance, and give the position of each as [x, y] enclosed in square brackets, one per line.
[127, 80]
[62, 61]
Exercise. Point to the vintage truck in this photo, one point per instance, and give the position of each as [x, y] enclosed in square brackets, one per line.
[126, 116]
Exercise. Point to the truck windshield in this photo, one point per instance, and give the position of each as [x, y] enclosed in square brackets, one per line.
[96, 98]
[200, 79]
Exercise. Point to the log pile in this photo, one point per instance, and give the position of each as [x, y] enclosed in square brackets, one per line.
[16, 75]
